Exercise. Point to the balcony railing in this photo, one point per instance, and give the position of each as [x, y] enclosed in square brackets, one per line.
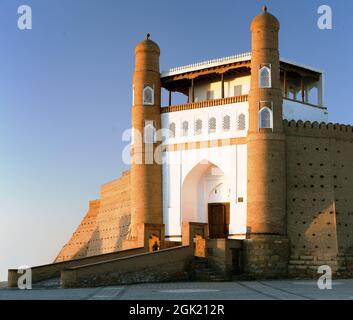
[306, 103]
[205, 104]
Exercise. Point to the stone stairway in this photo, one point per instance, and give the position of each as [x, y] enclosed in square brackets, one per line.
[202, 270]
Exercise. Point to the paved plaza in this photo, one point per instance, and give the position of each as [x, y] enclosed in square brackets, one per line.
[238, 290]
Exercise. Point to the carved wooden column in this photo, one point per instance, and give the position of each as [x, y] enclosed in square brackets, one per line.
[222, 81]
[285, 88]
[192, 91]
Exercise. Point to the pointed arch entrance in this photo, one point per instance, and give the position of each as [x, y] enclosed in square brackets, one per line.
[205, 198]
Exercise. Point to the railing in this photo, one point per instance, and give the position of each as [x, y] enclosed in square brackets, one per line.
[205, 104]
[306, 103]
[207, 64]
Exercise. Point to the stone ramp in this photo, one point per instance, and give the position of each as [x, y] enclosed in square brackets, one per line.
[172, 264]
[52, 271]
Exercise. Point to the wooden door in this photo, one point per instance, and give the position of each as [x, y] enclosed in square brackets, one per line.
[217, 221]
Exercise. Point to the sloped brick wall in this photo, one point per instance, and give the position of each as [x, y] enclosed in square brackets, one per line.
[105, 225]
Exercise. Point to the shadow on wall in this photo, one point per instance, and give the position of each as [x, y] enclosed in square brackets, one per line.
[94, 245]
[124, 231]
[312, 224]
[311, 198]
[321, 234]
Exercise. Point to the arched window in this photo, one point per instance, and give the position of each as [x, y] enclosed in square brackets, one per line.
[226, 123]
[198, 126]
[212, 125]
[185, 128]
[265, 77]
[148, 95]
[241, 125]
[172, 130]
[149, 132]
[265, 118]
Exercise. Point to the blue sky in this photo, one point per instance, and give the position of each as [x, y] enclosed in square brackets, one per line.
[65, 94]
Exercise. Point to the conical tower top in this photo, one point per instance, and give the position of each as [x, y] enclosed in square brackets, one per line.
[265, 20]
[147, 45]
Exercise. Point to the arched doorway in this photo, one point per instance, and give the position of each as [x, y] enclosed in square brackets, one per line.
[206, 197]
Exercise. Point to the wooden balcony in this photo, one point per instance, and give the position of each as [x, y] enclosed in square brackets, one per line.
[205, 104]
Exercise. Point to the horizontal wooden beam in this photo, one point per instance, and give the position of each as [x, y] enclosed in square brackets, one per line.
[213, 70]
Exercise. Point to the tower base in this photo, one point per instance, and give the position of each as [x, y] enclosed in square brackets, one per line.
[266, 256]
[148, 236]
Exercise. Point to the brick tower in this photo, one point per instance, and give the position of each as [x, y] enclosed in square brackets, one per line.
[146, 168]
[266, 213]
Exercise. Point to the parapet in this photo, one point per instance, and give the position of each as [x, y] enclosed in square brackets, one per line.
[318, 130]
